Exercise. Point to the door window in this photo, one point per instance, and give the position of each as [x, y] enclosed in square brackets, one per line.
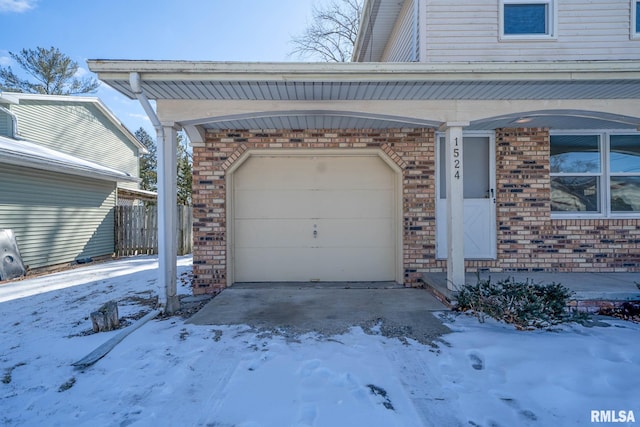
[475, 158]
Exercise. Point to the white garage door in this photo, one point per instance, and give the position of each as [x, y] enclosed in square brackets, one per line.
[314, 218]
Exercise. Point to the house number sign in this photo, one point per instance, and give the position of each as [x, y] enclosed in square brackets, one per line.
[457, 166]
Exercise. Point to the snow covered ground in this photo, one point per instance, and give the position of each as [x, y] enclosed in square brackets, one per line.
[169, 373]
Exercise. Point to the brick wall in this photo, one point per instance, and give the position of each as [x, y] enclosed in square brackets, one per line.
[527, 238]
[412, 150]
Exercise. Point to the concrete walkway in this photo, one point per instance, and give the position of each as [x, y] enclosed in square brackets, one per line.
[585, 286]
[327, 309]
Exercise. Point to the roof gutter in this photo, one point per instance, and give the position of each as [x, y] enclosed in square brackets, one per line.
[118, 70]
[359, 46]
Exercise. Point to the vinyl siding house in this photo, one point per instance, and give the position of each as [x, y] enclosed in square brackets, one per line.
[80, 126]
[497, 135]
[55, 195]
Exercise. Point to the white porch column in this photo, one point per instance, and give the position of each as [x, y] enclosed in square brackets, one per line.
[167, 217]
[455, 204]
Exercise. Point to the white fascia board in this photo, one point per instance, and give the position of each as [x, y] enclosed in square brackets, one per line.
[8, 98]
[17, 96]
[365, 71]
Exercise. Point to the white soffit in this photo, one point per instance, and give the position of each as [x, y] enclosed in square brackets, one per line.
[187, 80]
[383, 90]
[559, 119]
[311, 119]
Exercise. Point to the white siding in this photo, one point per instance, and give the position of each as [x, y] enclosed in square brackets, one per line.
[401, 46]
[80, 130]
[587, 30]
[57, 218]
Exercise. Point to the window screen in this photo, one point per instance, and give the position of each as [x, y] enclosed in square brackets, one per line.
[526, 18]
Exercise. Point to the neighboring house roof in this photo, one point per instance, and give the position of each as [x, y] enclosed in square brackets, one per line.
[144, 195]
[29, 154]
[15, 98]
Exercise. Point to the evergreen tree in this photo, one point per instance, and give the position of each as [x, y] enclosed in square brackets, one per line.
[185, 172]
[149, 166]
[53, 71]
[148, 162]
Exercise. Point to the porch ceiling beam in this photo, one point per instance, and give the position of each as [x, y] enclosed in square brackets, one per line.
[195, 133]
[197, 112]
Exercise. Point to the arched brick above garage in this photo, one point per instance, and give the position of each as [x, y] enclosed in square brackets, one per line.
[411, 150]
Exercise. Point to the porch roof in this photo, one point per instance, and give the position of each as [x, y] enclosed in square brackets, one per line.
[201, 80]
[305, 95]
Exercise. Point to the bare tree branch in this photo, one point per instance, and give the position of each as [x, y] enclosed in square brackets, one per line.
[332, 34]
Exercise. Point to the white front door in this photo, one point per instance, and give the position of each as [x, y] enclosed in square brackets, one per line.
[479, 199]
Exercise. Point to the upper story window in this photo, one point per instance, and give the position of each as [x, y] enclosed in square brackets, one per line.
[527, 19]
[595, 174]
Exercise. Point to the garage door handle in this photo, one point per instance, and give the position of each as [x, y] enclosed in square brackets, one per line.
[315, 234]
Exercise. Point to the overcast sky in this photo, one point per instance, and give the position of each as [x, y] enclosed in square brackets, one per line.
[212, 30]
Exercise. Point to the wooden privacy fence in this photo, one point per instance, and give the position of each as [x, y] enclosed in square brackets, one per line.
[136, 230]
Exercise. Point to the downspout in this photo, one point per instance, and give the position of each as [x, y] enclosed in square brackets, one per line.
[14, 122]
[362, 49]
[136, 86]
[415, 56]
[370, 29]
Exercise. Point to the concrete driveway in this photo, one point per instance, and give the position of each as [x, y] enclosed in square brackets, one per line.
[327, 309]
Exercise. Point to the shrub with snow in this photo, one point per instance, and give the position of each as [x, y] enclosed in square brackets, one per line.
[523, 304]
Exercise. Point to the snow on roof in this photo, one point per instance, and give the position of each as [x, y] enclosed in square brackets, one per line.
[138, 191]
[25, 153]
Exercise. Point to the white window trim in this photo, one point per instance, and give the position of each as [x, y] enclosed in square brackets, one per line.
[552, 24]
[605, 177]
[634, 19]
